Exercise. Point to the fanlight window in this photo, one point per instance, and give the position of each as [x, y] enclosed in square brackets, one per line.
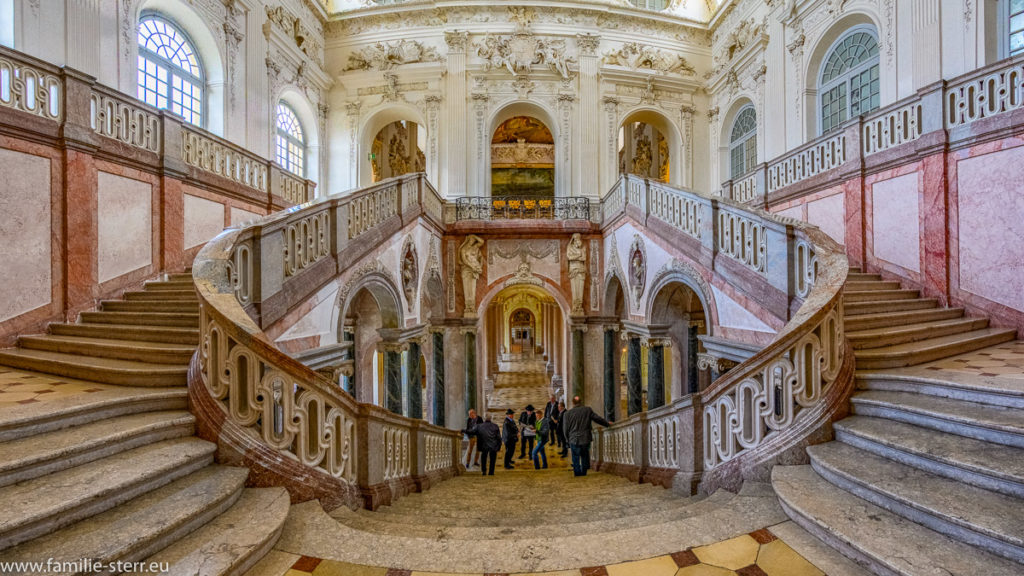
[743, 142]
[170, 76]
[1016, 28]
[291, 144]
[850, 83]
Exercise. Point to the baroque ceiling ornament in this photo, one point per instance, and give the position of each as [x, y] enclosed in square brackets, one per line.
[636, 56]
[520, 52]
[385, 56]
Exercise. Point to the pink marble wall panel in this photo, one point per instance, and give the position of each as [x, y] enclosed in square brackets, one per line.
[204, 219]
[991, 239]
[896, 217]
[829, 214]
[794, 212]
[125, 225]
[25, 283]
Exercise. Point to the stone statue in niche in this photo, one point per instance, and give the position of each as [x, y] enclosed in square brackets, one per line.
[642, 157]
[577, 257]
[409, 274]
[396, 156]
[471, 259]
[637, 269]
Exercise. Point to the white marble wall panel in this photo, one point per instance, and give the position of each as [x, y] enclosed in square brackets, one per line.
[896, 217]
[204, 219]
[829, 214]
[732, 315]
[991, 209]
[25, 281]
[240, 216]
[124, 219]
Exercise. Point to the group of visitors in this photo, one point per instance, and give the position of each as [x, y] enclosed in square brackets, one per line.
[567, 430]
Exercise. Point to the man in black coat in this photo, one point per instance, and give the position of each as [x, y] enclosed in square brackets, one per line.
[528, 430]
[471, 440]
[551, 411]
[509, 436]
[577, 433]
[488, 443]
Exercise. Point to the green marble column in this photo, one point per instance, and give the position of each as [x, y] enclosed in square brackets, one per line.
[412, 368]
[439, 392]
[578, 387]
[610, 380]
[691, 361]
[470, 370]
[348, 383]
[655, 376]
[634, 384]
[393, 379]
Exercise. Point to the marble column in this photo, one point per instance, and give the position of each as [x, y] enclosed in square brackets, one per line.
[610, 380]
[693, 384]
[656, 374]
[634, 384]
[438, 383]
[413, 380]
[454, 183]
[578, 388]
[470, 356]
[348, 382]
[392, 377]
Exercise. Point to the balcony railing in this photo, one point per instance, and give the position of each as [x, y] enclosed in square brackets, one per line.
[522, 208]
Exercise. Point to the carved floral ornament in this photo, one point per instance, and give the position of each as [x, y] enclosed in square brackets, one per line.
[520, 52]
[636, 56]
[385, 56]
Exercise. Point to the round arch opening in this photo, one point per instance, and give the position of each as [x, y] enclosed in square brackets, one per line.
[649, 147]
[523, 159]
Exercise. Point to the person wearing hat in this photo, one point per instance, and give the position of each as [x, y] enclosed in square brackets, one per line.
[509, 436]
[527, 423]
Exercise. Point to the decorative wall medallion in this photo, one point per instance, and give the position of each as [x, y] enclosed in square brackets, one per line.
[410, 272]
[637, 269]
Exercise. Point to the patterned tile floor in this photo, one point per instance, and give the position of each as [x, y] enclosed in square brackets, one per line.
[759, 553]
[17, 387]
[1004, 361]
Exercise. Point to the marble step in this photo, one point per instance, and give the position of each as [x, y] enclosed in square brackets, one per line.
[42, 505]
[887, 306]
[234, 541]
[969, 419]
[173, 285]
[497, 527]
[142, 526]
[169, 334]
[854, 286]
[975, 462]
[178, 319]
[515, 512]
[105, 370]
[44, 417]
[989, 520]
[964, 386]
[187, 276]
[921, 351]
[863, 276]
[34, 456]
[139, 351]
[188, 306]
[890, 335]
[161, 295]
[876, 295]
[889, 319]
[868, 533]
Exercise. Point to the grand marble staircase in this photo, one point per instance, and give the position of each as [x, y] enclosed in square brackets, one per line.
[927, 475]
[101, 462]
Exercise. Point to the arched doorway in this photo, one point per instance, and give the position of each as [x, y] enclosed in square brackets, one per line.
[521, 324]
[649, 147]
[523, 159]
[397, 149]
[372, 309]
[680, 315]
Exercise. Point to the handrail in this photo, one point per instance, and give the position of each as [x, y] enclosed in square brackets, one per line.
[277, 401]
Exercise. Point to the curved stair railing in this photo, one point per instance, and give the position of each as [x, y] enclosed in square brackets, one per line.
[265, 409]
[768, 407]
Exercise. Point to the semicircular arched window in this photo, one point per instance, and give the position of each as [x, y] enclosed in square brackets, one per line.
[170, 75]
[743, 142]
[291, 142]
[850, 84]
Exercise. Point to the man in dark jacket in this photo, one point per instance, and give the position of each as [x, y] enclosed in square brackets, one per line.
[471, 440]
[488, 443]
[577, 433]
[560, 429]
[527, 423]
[551, 411]
[509, 436]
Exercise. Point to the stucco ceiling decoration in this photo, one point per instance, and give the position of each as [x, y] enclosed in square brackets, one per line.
[636, 56]
[521, 51]
[386, 56]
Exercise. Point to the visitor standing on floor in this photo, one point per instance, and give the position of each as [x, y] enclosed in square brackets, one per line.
[543, 433]
[509, 436]
[560, 429]
[527, 423]
[488, 438]
[470, 433]
[577, 432]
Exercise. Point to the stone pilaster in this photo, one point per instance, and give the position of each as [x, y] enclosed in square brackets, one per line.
[590, 132]
[634, 384]
[692, 382]
[413, 380]
[578, 385]
[454, 182]
[437, 360]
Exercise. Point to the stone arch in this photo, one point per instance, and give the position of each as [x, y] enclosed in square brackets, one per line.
[374, 123]
[510, 109]
[820, 45]
[616, 304]
[725, 133]
[677, 271]
[673, 135]
[381, 285]
[307, 114]
[207, 46]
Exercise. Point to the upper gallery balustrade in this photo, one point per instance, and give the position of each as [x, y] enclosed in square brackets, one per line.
[523, 208]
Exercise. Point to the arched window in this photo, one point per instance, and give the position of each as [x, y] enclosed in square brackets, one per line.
[170, 76]
[743, 142]
[650, 4]
[291, 144]
[1015, 17]
[849, 78]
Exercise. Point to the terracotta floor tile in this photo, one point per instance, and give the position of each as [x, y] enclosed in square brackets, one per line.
[333, 568]
[778, 559]
[658, 566]
[594, 571]
[763, 536]
[685, 558]
[732, 554]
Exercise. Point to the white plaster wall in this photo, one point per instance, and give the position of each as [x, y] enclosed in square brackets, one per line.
[124, 218]
[240, 216]
[204, 219]
[25, 280]
[896, 218]
[732, 315]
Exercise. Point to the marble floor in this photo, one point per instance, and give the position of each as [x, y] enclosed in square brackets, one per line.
[18, 387]
[520, 381]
